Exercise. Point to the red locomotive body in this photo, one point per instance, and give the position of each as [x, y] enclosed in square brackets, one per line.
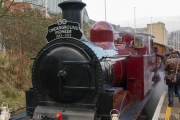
[139, 76]
[134, 64]
[82, 79]
[141, 64]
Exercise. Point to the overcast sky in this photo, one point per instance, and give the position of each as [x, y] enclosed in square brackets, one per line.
[121, 12]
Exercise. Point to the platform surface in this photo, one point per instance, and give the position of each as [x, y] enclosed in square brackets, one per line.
[164, 112]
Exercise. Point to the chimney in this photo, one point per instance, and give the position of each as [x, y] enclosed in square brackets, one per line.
[72, 11]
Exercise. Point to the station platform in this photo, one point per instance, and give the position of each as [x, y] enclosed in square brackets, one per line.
[164, 112]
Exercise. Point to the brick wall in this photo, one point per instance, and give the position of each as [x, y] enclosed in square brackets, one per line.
[18, 6]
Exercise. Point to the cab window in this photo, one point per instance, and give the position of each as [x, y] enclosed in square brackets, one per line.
[119, 40]
[138, 41]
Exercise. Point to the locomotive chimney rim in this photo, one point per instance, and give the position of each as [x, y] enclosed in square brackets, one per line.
[72, 11]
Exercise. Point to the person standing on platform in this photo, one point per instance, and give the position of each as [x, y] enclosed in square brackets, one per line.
[166, 56]
[170, 67]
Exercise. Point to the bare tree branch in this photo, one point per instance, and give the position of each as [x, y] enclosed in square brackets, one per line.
[6, 9]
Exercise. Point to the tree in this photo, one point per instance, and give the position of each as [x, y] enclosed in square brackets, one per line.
[4, 10]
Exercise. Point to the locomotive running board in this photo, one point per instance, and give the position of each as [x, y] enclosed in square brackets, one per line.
[20, 116]
[137, 106]
[50, 112]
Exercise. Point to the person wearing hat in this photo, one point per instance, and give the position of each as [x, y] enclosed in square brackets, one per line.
[167, 54]
[170, 67]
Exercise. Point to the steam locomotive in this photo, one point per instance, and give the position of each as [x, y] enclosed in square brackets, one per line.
[77, 79]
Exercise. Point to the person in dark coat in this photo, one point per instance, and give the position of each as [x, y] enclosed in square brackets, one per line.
[170, 67]
[167, 54]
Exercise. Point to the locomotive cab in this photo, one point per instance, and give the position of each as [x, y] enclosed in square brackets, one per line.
[137, 43]
[142, 62]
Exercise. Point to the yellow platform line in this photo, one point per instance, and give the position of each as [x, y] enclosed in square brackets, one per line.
[168, 113]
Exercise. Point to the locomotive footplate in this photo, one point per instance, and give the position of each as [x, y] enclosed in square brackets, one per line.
[21, 116]
[113, 98]
[50, 113]
[134, 111]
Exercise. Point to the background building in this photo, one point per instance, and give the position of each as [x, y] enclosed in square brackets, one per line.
[141, 30]
[125, 29]
[50, 7]
[159, 31]
[47, 6]
[174, 39]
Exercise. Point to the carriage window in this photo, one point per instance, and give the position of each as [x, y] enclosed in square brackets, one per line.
[119, 40]
[116, 36]
[138, 41]
[151, 45]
